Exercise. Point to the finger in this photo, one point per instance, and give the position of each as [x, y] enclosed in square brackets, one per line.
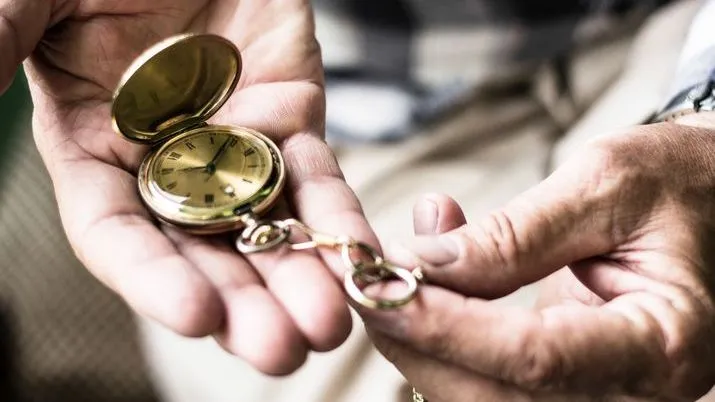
[436, 213]
[565, 347]
[321, 196]
[565, 218]
[323, 200]
[22, 24]
[563, 287]
[438, 381]
[254, 308]
[292, 113]
[278, 109]
[306, 290]
[609, 279]
[441, 382]
[257, 327]
[115, 238]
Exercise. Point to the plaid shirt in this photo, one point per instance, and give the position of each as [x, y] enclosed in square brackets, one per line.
[392, 64]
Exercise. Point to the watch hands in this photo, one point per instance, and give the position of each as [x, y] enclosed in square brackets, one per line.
[219, 154]
[211, 167]
[190, 169]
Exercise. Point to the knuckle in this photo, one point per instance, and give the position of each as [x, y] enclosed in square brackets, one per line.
[440, 334]
[496, 240]
[537, 365]
[690, 353]
[609, 153]
[618, 184]
[185, 306]
[192, 315]
[305, 111]
[436, 338]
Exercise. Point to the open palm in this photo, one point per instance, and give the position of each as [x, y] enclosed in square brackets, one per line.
[269, 308]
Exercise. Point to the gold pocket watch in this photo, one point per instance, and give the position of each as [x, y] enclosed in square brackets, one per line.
[211, 179]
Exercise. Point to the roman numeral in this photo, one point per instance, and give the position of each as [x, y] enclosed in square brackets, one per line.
[253, 166]
[249, 151]
[167, 171]
[246, 180]
[209, 198]
[190, 146]
[171, 185]
[175, 156]
[233, 142]
[211, 138]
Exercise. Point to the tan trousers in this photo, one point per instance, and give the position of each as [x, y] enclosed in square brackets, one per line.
[483, 156]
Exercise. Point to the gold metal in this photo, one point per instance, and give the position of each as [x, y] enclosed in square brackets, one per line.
[254, 182]
[178, 83]
[315, 239]
[417, 397]
[197, 176]
[383, 270]
[362, 250]
[260, 236]
[365, 267]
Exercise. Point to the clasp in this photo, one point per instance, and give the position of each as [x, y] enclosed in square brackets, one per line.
[364, 263]
[315, 239]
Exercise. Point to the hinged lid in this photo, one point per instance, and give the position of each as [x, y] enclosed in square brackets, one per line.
[177, 83]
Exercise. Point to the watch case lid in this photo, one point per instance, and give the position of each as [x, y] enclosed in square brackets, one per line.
[178, 83]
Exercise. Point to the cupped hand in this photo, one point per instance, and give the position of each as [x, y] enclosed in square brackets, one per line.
[270, 309]
[631, 318]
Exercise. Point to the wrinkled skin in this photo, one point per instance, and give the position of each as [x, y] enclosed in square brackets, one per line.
[270, 309]
[631, 318]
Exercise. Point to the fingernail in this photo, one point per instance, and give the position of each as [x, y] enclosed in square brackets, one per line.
[436, 250]
[425, 216]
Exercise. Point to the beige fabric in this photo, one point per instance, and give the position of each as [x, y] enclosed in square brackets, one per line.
[482, 157]
[66, 338]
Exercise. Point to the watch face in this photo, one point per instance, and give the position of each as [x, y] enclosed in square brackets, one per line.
[212, 170]
[201, 178]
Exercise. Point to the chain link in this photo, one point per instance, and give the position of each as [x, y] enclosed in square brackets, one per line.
[417, 397]
[364, 263]
[260, 236]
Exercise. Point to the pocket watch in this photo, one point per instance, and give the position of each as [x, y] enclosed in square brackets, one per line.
[209, 179]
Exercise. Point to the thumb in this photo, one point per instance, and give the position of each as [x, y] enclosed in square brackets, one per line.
[436, 213]
[566, 218]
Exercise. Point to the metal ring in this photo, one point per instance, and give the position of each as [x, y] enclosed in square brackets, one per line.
[347, 259]
[247, 244]
[354, 291]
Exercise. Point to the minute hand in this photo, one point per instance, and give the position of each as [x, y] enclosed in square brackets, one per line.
[220, 153]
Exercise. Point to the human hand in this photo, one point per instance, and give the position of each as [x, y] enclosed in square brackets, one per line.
[270, 309]
[632, 216]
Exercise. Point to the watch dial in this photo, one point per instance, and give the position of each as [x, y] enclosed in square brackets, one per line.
[212, 170]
